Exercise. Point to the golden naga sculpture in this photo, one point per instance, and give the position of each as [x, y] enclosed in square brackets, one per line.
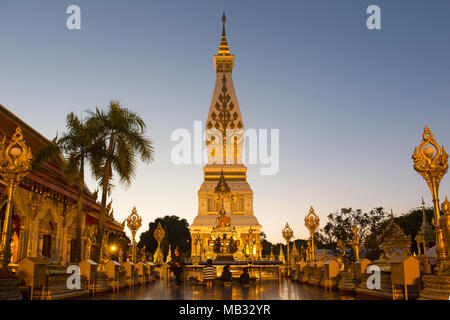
[312, 223]
[159, 235]
[355, 242]
[15, 164]
[134, 222]
[431, 162]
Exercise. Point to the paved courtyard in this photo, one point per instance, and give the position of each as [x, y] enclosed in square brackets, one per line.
[268, 290]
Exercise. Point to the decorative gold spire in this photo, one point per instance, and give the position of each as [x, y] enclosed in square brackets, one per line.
[222, 186]
[224, 60]
[223, 48]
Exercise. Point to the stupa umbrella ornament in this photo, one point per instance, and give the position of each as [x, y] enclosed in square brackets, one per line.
[431, 162]
[15, 164]
[134, 222]
[159, 235]
[287, 234]
[312, 223]
[271, 257]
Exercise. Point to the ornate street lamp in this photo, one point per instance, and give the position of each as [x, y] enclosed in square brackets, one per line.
[15, 164]
[312, 223]
[134, 222]
[159, 235]
[287, 235]
[431, 162]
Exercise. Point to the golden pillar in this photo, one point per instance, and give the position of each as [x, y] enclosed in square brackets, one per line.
[159, 234]
[15, 164]
[287, 234]
[134, 222]
[312, 223]
[431, 162]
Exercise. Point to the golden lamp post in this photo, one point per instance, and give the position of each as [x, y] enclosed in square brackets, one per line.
[15, 164]
[312, 223]
[134, 222]
[287, 234]
[159, 235]
[431, 162]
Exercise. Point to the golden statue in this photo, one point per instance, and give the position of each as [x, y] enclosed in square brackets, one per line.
[445, 222]
[355, 242]
[340, 259]
[223, 220]
[308, 252]
[324, 256]
[142, 254]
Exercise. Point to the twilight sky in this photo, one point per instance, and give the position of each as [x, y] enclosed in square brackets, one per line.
[350, 103]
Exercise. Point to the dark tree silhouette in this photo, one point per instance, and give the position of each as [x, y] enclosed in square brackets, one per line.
[177, 235]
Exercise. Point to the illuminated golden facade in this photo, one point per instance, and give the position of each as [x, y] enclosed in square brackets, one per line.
[225, 144]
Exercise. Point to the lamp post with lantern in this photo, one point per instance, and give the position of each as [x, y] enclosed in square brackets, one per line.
[15, 164]
[431, 162]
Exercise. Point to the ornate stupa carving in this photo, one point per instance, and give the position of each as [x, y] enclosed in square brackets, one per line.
[224, 145]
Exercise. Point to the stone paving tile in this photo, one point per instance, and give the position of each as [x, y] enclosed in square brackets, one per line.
[267, 290]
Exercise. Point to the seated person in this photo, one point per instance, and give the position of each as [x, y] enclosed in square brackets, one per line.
[226, 277]
[209, 273]
[244, 279]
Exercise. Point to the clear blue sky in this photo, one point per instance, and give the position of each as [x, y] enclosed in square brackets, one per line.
[350, 103]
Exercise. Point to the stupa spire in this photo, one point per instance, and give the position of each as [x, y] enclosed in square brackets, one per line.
[223, 48]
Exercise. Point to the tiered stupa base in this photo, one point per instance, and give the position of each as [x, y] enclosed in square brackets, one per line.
[348, 282]
[436, 287]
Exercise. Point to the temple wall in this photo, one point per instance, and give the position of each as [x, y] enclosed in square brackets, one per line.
[44, 224]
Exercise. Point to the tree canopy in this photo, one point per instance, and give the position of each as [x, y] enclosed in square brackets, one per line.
[177, 235]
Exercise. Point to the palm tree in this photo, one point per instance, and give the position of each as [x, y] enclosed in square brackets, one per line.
[76, 146]
[121, 136]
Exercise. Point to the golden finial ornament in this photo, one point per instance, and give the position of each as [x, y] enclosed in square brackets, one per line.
[431, 162]
[15, 164]
[287, 234]
[134, 222]
[224, 60]
[159, 235]
[312, 223]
